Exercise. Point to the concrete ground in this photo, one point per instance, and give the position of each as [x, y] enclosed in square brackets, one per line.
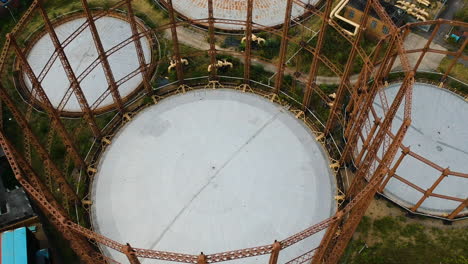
[431, 60]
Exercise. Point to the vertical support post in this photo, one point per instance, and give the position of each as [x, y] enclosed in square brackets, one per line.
[335, 247]
[365, 145]
[315, 61]
[336, 108]
[88, 114]
[393, 58]
[392, 172]
[139, 49]
[275, 253]
[114, 89]
[130, 253]
[429, 191]
[458, 209]
[175, 44]
[202, 259]
[426, 47]
[211, 34]
[43, 153]
[48, 107]
[361, 85]
[248, 42]
[360, 114]
[454, 61]
[283, 47]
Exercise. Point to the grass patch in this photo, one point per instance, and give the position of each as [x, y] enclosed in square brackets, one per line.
[458, 71]
[392, 240]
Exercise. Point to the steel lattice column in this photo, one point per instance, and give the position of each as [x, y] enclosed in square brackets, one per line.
[248, 42]
[114, 89]
[283, 47]
[48, 107]
[88, 114]
[349, 65]
[139, 50]
[23, 124]
[175, 43]
[211, 34]
[315, 61]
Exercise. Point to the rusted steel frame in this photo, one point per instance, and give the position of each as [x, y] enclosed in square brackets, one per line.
[39, 192]
[363, 77]
[248, 42]
[71, 37]
[323, 59]
[355, 215]
[446, 197]
[392, 171]
[426, 47]
[336, 108]
[283, 47]
[175, 43]
[366, 142]
[121, 81]
[102, 56]
[19, 24]
[202, 259]
[438, 21]
[88, 114]
[48, 107]
[303, 258]
[315, 63]
[428, 162]
[445, 52]
[458, 209]
[335, 25]
[139, 49]
[211, 35]
[325, 242]
[43, 153]
[459, 174]
[130, 253]
[454, 60]
[18, 164]
[405, 181]
[362, 82]
[275, 253]
[310, 8]
[381, 133]
[362, 112]
[429, 191]
[393, 58]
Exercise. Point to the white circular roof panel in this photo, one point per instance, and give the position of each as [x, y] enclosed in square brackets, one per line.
[212, 170]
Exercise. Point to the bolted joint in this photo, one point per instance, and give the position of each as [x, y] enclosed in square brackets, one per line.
[446, 172]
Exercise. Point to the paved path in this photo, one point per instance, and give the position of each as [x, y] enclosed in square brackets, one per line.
[431, 61]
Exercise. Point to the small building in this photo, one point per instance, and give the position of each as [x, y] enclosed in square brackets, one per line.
[400, 11]
[354, 11]
[15, 208]
[20, 246]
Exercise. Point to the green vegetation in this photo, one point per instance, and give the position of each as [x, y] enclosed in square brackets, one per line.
[389, 239]
[458, 71]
